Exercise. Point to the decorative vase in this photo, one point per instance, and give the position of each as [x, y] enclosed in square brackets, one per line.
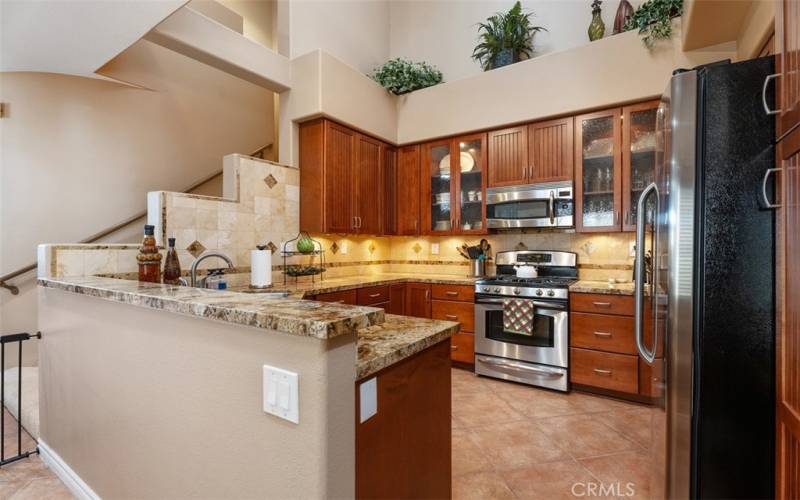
[503, 58]
[596, 28]
[624, 12]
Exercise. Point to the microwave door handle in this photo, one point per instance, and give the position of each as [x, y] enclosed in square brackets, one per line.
[638, 320]
[552, 207]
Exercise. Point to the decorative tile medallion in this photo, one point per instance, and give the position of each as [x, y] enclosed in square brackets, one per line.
[521, 246]
[272, 247]
[417, 247]
[196, 248]
[270, 180]
[334, 248]
[372, 248]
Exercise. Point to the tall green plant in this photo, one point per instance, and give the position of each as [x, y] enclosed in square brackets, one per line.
[653, 19]
[512, 30]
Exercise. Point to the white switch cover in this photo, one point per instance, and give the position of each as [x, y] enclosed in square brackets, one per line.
[368, 399]
[632, 249]
[343, 248]
[281, 393]
[434, 248]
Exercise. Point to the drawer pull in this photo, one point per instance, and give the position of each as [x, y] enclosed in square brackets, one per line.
[374, 295]
[602, 334]
[602, 304]
[453, 347]
[452, 293]
[338, 301]
[451, 316]
[602, 372]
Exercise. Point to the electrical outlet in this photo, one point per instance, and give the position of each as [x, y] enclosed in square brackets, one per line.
[632, 249]
[343, 248]
[434, 249]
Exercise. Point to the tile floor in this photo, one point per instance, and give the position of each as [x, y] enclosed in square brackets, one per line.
[30, 478]
[519, 442]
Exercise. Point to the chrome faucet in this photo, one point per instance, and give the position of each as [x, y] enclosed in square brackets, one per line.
[197, 261]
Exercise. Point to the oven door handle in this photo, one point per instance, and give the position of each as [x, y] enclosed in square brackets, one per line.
[510, 365]
[537, 303]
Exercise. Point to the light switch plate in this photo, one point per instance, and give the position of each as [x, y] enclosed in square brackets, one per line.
[280, 391]
[434, 249]
[368, 399]
[343, 248]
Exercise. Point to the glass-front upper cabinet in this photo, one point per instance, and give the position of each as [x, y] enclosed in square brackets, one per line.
[598, 171]
[455, 182]
[639, 148]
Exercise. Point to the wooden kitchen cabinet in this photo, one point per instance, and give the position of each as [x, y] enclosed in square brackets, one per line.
[598, 171]
[390, 220]
[638, 157]
[408, 187]
[349, 297]
[508, 157]
[787, 24]
[418, 300]
[341, 179]
[454, 185]
[456, 303]
[397, 299]
[372, 295]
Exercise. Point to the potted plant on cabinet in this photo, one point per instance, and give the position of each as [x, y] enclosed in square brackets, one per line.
[401, 76]
[505, 38]
[653, 19]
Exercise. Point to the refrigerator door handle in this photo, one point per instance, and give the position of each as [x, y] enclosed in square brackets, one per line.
[764, 95]
[647, 355]
[767, 203]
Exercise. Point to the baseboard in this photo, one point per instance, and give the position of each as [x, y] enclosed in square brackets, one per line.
[64, 472]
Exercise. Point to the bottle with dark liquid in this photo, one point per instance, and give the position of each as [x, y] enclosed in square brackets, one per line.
[149, 257]
[172, 266]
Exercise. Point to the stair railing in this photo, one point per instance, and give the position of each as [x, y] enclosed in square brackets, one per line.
[7, 339]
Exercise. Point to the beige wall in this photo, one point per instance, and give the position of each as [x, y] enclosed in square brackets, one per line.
[259, 18]
[150, 404]
[757, 26]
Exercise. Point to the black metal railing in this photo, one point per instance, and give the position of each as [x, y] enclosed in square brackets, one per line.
[19, 338]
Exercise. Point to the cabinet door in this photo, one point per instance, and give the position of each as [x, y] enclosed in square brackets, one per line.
[418, 300]
[638, 156]
[389, 191]
[551, 150]
[508, 157]
[438, 187]
[408, 188]
[340, 152]
[397, 299]
[369, 185]
[788, 34]
[598, 168]
[469, 170]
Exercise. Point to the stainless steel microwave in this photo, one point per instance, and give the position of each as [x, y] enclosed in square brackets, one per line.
[548, 204]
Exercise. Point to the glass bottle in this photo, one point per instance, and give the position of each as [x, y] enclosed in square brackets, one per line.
[596, 28]
[149, 257]
[172, 265]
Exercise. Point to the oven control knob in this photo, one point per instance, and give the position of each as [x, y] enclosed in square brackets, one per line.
[550, 293]
[517, 291]
[497, 289]
[539, 291]
[487, 289]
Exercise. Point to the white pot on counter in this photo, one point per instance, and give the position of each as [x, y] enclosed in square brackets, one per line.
[526, 271]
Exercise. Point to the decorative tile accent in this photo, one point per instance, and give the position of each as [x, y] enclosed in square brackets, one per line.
[272, 247]
[372, 248]
[589, 248]
[417, 248]
[334, 248]
[196, 248]
[521, 246]
[271, 181]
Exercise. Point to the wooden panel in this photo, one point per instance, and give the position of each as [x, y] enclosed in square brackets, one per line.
[460, 312]
[602, 332]
[788, 32]
[397, 299]
[340, 150]
[551, 150]
[311, 176]
[368, 193]
[343, 297]
[601, 304]
[408, 191]
[389, 191]
[508, 157]
[372, 295]
[616, 372]
[404, 451]
[418, 300]
[462, 348]
[461, 293]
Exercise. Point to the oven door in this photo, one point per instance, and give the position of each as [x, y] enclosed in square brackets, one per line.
[518, 208]
[548, 345]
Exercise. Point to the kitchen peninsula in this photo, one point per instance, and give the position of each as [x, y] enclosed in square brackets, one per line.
[166, 381]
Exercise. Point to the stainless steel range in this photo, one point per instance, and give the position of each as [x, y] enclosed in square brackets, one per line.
[539, 353]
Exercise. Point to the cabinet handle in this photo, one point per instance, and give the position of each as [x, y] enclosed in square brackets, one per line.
[764, 95]
[452, 293]
[767, 203]
[602, 304]
[374, 295]
[602, 334]
[450, 316]
[627, 216]
[338, 301]
[602, 372]
[453, 347]
[416, 226]
[616, 217]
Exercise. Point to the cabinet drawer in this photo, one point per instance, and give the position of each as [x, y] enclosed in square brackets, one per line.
[373, 295]
[461, 312]
[616, 372]
[460, 293]
[462, 347]
[601, 304]
[602, 332]
[343, 297]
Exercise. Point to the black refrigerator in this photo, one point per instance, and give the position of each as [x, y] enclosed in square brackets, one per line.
[711, 291]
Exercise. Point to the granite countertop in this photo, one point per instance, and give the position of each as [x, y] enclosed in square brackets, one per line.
[291, 314]
[602, 287]
[397, 338]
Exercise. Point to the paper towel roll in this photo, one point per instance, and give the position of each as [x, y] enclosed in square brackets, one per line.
[260, 268]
